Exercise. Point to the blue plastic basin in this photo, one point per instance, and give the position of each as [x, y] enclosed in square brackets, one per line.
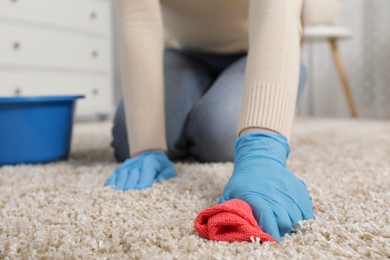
[35, 129]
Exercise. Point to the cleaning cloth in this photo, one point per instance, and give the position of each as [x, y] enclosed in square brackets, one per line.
[230, 221]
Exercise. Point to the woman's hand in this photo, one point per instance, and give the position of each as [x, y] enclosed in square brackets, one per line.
[278, 198]
[140, 172]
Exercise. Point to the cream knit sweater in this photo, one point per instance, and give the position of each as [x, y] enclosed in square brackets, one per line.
[269, 29]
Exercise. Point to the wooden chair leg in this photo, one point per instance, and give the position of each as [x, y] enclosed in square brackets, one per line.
[343, 76]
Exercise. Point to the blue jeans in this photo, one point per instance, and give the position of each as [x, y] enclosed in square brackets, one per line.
[203, 95]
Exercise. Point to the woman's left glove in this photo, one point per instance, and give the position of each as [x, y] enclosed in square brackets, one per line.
[279, 199]
[140, 172]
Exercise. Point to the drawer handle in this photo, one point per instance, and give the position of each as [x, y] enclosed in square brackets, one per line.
[18, 92]
[14, 1]
[95, 54]
[95, 92]
[16, 45]
[93, 15]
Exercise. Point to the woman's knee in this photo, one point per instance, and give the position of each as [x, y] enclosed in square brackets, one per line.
[212, 135]
[213, 122]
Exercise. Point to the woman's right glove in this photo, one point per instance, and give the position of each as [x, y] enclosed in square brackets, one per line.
[140, 172]
[278, 198]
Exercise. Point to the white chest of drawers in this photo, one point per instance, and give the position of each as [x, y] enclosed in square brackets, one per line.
[58, 47]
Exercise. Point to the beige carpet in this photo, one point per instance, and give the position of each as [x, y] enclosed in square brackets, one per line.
[61, 210]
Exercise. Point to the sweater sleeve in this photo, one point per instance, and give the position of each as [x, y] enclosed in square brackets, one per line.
[141, 53]
[272, 71]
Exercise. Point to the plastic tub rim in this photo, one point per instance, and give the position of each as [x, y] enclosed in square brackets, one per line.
[36, 99]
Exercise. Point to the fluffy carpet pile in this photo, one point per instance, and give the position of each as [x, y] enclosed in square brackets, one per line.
[62, 210]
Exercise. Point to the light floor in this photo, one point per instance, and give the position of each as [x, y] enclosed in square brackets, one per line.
[62, 210]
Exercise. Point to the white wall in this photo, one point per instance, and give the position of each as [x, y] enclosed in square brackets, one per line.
[367, 60]
[116, 63]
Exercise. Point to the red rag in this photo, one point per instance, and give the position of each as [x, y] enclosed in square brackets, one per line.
[230, 221]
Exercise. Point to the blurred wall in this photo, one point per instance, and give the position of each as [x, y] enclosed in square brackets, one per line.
[367, 60]
[116, 63]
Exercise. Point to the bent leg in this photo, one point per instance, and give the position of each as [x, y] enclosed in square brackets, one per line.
[185, 82]
[213, 122]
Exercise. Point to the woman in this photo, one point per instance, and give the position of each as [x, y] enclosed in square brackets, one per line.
[226, 72]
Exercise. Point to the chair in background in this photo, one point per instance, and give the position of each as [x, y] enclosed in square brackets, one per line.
[322, 18]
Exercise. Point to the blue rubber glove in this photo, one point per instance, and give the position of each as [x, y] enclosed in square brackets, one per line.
[278, 198]
[140, 172]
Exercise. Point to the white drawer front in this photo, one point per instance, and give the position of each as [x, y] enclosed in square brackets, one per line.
[24, 45]
[97, 89]
[87, 15]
